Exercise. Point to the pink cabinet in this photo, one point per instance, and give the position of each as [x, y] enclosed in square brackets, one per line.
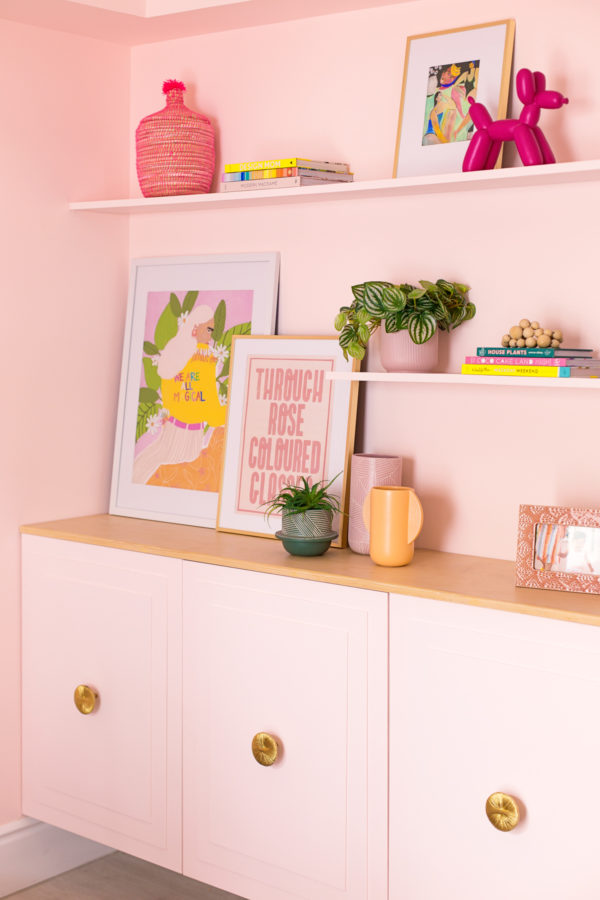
[109, 620]
[483, 701]
[306, 664]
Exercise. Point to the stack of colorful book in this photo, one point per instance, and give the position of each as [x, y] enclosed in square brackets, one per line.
[275, 173]
[533, 362]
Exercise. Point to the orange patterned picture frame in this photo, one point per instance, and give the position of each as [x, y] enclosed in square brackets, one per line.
[558, 548]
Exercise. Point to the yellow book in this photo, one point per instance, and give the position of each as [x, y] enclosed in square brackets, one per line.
[287, 163]
[524, 371]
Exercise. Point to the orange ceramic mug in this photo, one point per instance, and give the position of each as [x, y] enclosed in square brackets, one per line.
[394, 517]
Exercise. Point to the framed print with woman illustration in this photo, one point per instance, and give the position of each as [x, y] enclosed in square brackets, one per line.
[559, 548]
[288, 418]
[182, 315]
[442, 71]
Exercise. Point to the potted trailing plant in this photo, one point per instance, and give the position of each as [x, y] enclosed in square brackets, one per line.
[306, 516]
[414, 313]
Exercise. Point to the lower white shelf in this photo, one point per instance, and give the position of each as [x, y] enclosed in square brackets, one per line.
[456, 378]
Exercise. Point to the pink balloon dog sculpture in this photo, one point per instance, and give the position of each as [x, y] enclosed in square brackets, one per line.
[533, 148]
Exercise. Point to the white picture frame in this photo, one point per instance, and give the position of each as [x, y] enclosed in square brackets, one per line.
[482, 55]
[166, 463]
[325, 427]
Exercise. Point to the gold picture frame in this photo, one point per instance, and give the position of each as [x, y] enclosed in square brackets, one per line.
[256, 463]
[441, 70]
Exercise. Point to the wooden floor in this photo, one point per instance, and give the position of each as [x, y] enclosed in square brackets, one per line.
[121, 877]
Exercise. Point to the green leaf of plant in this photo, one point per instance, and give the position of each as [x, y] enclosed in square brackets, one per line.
[347, 335]
[175, 305]
[150, 348]
[391, 323]
[430, 303]
[189, 300]
[421, 327]
[397, 321]
[363, 334]
[373, 301]
[393, 298]
[220, 316]
[340, 320]
[358, 291]
[356, 351]
[148, 395]
[153, 379]
[166, 327]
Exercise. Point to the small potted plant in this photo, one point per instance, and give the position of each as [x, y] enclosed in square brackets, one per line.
[306, 516]
[412, 315]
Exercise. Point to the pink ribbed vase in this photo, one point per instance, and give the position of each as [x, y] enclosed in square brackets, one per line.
[368, 470]
[175, 148]
[399, 354]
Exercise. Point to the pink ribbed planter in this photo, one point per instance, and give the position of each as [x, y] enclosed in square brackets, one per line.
[175, 148]
[368, 470]
[399, 353]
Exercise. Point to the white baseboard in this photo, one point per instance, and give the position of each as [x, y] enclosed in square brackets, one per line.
[31, 851]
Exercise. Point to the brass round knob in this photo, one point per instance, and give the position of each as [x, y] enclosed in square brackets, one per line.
[264, 748]
[502, 811]
[85, 699]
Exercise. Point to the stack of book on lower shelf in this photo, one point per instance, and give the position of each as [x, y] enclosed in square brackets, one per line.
[290, 172]
[533, 362]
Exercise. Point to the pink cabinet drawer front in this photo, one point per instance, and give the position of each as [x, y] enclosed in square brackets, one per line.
[306, 663]
[109, 619]
[484, 701]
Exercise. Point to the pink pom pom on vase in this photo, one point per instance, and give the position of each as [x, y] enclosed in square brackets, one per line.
[175, 148]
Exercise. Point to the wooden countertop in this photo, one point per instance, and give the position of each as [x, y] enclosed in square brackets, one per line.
[472, 580]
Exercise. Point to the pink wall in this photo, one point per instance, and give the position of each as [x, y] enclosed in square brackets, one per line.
[329, 88]
[64, 103]
[326, 87]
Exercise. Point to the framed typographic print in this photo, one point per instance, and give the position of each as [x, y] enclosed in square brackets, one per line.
[182, 316]
[291, 414]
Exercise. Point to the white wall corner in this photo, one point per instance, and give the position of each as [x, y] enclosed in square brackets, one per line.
[31, 851]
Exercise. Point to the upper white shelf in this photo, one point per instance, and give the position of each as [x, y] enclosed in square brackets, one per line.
[455, 378]
[521, 176]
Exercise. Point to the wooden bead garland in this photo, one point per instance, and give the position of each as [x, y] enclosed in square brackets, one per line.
[531, 334]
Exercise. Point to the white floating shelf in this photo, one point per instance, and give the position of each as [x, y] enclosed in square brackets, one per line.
[455, 378]
[521, 176]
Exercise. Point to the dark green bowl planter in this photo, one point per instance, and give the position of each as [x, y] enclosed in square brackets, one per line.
[306, 546]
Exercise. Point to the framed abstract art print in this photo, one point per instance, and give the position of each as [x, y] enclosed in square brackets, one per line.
[442, 70]
[182, 315]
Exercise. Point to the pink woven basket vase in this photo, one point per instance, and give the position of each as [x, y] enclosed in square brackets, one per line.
[175, 148]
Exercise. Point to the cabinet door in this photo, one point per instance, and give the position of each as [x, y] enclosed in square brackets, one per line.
[484, 701]
[306, 663]
[111, 620]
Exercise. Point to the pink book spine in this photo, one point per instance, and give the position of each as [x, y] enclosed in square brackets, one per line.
[518, 361]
